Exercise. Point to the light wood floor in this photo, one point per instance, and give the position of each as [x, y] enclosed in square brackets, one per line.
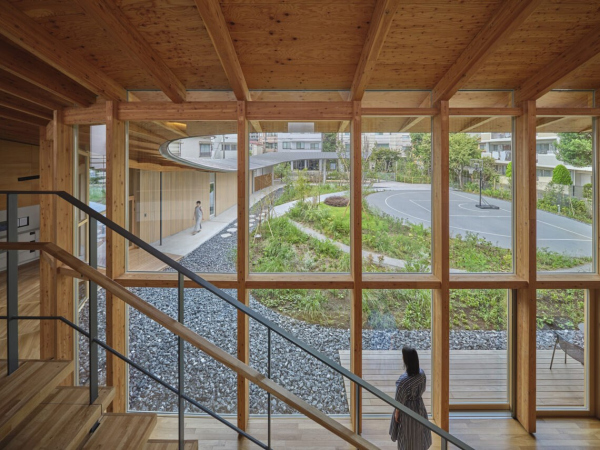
[300, 433]
[476, 376]
[29, 305]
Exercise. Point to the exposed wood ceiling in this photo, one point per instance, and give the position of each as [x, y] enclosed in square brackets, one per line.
[58, 53]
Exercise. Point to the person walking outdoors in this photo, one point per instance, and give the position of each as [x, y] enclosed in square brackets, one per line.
[407, 432]
[198, 218]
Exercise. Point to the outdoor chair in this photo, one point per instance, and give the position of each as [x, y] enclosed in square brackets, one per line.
[573, 350]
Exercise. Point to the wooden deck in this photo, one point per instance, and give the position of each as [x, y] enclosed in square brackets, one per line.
[476, 376]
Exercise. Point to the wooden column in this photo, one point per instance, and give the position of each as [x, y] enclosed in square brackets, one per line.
[592, 321]
[440, 308]
[243, 327]
[47, 265]
[525, 265]
[116, 166]
[63, 235]
[356, 262]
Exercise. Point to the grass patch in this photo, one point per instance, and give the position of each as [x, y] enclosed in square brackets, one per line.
[298, 191]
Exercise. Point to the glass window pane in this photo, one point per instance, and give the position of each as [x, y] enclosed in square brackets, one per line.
[320, 318]
[183, 194]
[393, 319]
[561, 358]
[565, 206]
[481, 210]
[396, 214]
[299, 205]
[479, 346]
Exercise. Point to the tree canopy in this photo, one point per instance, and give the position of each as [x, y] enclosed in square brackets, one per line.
[575, 149]
[463, 148]
[421, 150]
[561, 175]
[509, 170]
[329, 142]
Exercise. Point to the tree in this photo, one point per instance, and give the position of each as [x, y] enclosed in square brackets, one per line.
[509, 171]
[489, 173]
[421, 150]
[561, 175]
[384, 159]
[329, 142]
[575, 149]
[463, 148]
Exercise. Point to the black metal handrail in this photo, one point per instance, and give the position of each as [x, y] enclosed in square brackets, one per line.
[271, 326]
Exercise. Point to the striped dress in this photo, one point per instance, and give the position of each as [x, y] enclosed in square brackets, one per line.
[409, 434]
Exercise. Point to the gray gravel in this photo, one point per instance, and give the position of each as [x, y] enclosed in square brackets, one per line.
[215, 386]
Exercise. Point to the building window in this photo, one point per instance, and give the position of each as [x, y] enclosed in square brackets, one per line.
[287, 145]
[300, 145]
[544, 148]
[313, 164]
[332, 165]
[204, 150]
[314, 146]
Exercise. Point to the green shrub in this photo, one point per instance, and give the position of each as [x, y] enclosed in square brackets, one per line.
[561, 175]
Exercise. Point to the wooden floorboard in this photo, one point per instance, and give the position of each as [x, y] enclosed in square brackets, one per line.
[295, 433]
[122, 432]
[476, 376]
[61, 421]
[141, 261]
[170, 445]
[29, 304]
[25, 389]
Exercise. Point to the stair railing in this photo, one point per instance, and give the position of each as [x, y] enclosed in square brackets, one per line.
[12, 312]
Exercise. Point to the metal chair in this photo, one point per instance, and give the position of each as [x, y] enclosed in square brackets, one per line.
[573, 350]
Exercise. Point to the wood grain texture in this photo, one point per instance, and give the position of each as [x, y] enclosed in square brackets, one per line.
[525, 261]
[440, 321]
[560, 68]
[117, 25]
[22, 392]
[25, 66]
[116, 204]
[122, 432]
[17, 87]
[61, 421]
[380, 25]
[25, 32]
[214, 21]
[24, 106]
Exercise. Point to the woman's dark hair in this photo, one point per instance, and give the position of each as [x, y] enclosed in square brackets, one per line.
[411, 360]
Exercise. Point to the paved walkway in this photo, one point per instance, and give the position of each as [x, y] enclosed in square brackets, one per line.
[184, 242]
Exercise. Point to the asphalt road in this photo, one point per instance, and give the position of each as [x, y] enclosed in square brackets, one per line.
[557, 233]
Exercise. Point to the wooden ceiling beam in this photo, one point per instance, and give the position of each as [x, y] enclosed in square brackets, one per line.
[560, 68]
[19, 116]
[116, 25]
[19, 132]
[28, 34]
[214, 21]
[25, 66]
[476, 122]
[381, 22]
[18, 104]
[509, 17]
[22, 89]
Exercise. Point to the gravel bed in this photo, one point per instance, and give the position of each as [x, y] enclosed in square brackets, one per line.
[215, 386]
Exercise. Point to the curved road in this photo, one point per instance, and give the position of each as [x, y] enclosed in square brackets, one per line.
[557, 233]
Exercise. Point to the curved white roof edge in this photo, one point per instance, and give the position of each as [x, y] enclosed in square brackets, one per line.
[256, 161]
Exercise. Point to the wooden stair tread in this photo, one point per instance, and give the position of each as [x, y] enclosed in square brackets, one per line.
[162, 444]
[25, 389]
[122, 432]
[62, 421]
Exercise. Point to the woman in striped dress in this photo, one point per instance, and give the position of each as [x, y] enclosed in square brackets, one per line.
[409, 434]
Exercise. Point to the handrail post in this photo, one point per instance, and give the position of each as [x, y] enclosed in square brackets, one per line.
[357, 406]
[268, 393]
[12, 284]
[93, 311]
[180, 362]
[444, 444]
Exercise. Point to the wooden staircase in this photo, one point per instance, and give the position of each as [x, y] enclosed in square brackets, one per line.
[37, 413]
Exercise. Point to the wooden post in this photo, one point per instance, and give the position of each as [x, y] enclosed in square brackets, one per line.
[63, 236]
[243, 333]
[47, 267]
[356, 262]
[116, 164]
[526, 265]
[440, 308]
